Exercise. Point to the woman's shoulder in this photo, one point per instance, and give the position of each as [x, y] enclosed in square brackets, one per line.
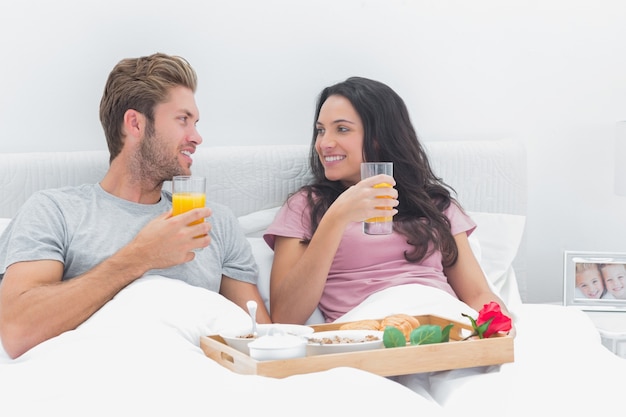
[459, 219]
[299, 198]
[454, 207]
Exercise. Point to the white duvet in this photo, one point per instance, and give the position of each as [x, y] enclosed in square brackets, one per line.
[139, 355]
[560, 367]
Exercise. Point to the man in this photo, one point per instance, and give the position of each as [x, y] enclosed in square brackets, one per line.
[69, 251]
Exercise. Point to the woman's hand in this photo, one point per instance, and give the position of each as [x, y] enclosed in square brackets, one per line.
[364, 200]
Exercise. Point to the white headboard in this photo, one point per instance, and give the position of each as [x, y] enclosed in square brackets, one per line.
[489, 176]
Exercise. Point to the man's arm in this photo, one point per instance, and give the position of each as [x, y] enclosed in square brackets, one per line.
[240, 293]
[35, 304]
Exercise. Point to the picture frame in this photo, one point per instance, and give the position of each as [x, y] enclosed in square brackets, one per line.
[595, 281]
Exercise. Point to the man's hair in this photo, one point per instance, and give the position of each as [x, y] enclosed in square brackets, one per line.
[140, 84]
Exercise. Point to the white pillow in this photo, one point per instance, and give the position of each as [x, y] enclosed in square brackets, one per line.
[498, 239]
[264, 256]
[254, 224]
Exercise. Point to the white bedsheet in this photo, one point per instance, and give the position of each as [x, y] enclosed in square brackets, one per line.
[560, 365]
[139, 355]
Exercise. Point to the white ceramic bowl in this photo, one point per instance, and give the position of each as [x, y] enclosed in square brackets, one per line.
[275, 347]
[237, 339]
[339, 341]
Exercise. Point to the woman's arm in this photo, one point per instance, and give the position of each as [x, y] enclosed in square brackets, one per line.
[299, 272]
[468, 280]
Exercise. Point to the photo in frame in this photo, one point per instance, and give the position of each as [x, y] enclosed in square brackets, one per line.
[595, 281]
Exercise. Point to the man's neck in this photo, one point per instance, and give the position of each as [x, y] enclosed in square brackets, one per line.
[127, 185]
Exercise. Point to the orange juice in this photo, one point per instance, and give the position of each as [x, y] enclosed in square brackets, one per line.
[183, 202]
[381, 219]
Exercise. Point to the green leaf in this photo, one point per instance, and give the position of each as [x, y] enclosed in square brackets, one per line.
[426, 334]
[445, 333]
[393, 337]
[483, 327]
[474, 325]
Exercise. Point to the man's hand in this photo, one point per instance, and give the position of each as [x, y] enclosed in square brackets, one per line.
[169, 240]
[36, 305]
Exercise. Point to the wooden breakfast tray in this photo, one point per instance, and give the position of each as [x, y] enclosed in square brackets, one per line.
[456, 353]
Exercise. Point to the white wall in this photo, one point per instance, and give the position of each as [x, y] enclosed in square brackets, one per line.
[550, 73]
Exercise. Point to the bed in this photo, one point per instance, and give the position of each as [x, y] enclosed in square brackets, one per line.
[140, 353]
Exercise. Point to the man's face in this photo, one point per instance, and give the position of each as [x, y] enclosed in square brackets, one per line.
[168, 151]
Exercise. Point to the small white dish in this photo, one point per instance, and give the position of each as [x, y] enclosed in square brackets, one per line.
[240, 338]
[340, 341]
[277, 346]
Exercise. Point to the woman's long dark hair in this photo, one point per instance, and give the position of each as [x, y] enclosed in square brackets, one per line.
[390, 136]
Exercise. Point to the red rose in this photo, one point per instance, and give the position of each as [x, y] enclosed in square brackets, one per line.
[499, 322]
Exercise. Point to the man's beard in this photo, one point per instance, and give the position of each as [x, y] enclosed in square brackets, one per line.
[154, 162]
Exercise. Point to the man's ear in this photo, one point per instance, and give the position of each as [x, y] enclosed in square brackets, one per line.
[134, 124]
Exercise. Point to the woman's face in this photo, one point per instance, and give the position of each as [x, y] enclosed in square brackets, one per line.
[339, 142]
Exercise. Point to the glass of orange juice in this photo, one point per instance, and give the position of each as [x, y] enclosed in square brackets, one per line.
[188, 192]
[378, 225]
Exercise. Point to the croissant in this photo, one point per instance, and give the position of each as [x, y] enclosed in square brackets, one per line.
[361, 325]
[403, 322]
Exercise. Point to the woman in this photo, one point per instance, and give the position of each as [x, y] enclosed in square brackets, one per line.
[322, 257]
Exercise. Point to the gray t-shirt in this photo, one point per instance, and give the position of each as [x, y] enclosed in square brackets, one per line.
[84, 225]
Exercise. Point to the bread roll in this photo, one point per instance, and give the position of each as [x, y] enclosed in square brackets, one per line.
[403, 322]
[361, 325]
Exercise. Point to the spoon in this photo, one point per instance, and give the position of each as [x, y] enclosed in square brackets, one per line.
[252, 306]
